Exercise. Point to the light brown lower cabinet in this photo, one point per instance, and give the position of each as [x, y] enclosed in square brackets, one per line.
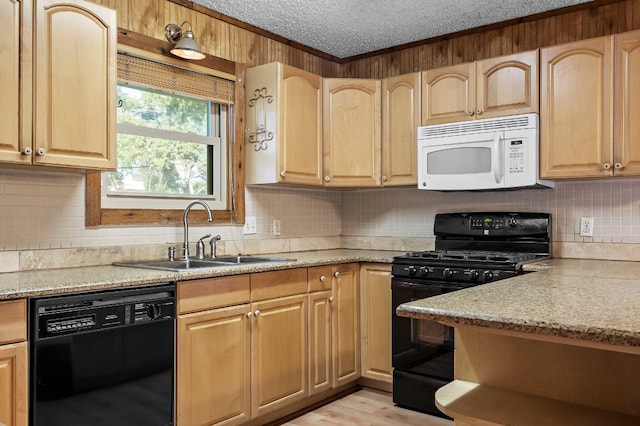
[261, 344]
[13, 363]
[13, 384]
[375, 308]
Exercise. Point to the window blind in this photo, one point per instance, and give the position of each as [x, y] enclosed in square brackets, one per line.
[148, 73]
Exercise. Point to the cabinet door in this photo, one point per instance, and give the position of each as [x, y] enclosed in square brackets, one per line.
[375, 316]
[300, 149]
[320, 365]
[351, 132]
[13, 384]
[576, 136]
[346, 324]
[449, 94]
[75, 85]
[279, 353]
[400, 121]
[213, 367]
[15, 23]
[507, 85]
[627, 104]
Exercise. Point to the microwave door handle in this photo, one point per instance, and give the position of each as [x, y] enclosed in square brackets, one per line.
[498, 169]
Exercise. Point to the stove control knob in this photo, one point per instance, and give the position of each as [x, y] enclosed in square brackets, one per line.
[447, 273]
[513, 221]
[473, 275]
[424, 271]
[412, 270]
[488, 275]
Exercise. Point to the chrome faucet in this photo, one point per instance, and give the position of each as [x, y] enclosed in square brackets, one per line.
[185, 223]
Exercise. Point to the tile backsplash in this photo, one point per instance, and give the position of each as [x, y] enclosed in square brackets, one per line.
[43, 211]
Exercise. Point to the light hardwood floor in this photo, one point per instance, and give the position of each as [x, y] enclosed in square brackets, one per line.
[366, 408]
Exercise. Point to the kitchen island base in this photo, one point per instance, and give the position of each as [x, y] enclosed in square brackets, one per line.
[509, 377]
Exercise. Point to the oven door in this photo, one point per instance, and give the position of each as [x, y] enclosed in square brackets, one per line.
[421, 346]
[462, 162]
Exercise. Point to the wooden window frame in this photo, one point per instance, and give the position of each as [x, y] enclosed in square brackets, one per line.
[235, 212]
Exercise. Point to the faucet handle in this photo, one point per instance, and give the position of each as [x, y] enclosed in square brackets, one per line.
[200, 247]
[213, 242]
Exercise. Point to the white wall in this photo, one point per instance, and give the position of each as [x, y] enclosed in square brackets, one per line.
[46, 211]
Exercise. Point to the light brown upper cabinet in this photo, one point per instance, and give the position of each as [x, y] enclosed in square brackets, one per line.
[284, 125]
[626, 147]
[352, 132]
[400, 121]
[66, 113]
[576, 136]
[493, 87]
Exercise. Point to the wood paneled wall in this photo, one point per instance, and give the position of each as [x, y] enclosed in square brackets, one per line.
[240, 43]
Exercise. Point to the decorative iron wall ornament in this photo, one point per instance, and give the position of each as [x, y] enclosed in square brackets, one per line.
[261, 136]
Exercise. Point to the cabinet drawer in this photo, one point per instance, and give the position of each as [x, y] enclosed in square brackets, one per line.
[13, 321]
[210, 293]
[320, 278]
[268, 285]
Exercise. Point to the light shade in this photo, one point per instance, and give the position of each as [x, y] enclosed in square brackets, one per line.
[185, 43]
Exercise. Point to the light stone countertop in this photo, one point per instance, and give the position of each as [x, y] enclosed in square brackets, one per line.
[14, 285]
[597, 301]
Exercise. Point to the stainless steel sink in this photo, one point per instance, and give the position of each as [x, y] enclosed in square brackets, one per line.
[184, 265]
[173, 265]
[251, 259]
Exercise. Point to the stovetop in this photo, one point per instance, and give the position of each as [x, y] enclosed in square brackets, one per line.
[479, 247]
[471, 256]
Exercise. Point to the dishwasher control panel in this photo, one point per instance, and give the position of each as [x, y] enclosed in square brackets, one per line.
[55, 316]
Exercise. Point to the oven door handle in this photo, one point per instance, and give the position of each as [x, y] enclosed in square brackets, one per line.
[425, 287]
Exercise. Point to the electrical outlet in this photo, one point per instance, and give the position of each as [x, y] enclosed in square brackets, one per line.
[586, 227]
[249, 225]
[275, 227]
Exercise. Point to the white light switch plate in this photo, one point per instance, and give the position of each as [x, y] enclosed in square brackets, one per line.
[275, 227]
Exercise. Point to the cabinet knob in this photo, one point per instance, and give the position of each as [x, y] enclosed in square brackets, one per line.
[27, 151]
[283, 173]
[327, 179]
[479, 111]
[618, 166]
[249, 314]
[384, 178]
[322, 278]
[40, 151]
[330, 299]
[606, 166]
[256, 313]
[470, 113]
[336, 274]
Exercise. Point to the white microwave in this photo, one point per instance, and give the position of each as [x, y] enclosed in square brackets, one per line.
[492, 153]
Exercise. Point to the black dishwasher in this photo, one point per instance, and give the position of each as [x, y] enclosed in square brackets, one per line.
[103, 358]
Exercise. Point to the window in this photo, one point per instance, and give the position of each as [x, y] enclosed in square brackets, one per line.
[171, 149]
[143, 66]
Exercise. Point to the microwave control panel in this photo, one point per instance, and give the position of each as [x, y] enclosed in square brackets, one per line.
[516, 156]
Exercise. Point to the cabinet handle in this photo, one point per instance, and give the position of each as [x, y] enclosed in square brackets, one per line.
[336, 274]
[40, 151]
[327, 179]
[27, 151]
[283, 173]
[249, 314]
[384, 178]
[330, 299]
[323, 278]
[606, 166]
[618, 166]
[479, 111]
[256, 313]
[470, 113]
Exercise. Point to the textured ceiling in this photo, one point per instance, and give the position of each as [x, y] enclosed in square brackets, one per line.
[353, 27]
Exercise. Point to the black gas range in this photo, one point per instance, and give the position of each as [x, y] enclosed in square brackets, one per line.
[470, 249]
